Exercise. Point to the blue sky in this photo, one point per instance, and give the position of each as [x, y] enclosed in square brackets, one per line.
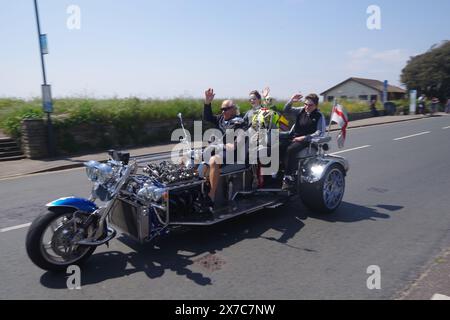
[164, 49]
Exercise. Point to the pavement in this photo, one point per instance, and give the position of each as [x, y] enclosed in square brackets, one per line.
[21, 167]
[394, 216]
[434, 283]
[28, 166]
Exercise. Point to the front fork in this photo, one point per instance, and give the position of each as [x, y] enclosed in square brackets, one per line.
[103, 233]
[102, 213]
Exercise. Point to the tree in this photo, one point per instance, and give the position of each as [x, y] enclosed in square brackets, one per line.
[429, 73]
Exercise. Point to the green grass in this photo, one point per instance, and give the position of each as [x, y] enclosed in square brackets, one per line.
[127, 115]
[118, 122]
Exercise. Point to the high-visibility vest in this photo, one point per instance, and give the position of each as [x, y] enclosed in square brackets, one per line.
[265, 118]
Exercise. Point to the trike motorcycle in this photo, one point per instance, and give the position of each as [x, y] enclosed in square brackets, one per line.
[146, 202]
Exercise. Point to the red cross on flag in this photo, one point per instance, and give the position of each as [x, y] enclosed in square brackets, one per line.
[340, 116]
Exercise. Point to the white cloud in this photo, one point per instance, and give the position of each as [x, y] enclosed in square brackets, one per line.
[395, 56]
[360, 53]
[368, 63]
[366, 58]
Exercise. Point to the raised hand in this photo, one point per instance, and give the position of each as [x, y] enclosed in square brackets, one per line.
[265, 92]
[209, 95]
[296, 98]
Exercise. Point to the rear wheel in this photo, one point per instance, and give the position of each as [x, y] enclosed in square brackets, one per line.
[325, 195]
[50, 241]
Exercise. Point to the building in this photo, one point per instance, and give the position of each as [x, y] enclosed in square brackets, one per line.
[362, 89]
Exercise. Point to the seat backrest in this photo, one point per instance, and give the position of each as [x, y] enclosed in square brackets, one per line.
[307, 152]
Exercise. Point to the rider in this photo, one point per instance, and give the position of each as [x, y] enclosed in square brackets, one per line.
[229, 119]
[309, 123]
[255, 100]
[268, 108]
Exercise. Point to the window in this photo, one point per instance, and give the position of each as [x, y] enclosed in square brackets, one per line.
[373, 97]
[330, 98]
[364, 97]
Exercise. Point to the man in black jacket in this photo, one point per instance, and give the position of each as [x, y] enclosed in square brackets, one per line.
[309, 124]
[224, 120]
[228, 119]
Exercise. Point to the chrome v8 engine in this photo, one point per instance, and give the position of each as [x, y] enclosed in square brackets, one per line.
[168, 173]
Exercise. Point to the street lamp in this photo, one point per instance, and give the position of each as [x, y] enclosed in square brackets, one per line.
[46, 89]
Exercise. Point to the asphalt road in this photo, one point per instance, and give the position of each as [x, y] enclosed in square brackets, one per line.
[395, 215]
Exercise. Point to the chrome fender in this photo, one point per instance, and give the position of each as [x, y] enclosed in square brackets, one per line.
[313, 169]
[79, 204]
[84, 206]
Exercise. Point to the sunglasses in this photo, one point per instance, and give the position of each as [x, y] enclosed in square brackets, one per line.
[227, 108]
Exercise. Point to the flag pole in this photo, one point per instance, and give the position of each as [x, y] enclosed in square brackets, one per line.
[331, 115]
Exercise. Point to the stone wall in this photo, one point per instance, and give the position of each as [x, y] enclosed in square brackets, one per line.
[91, 137]
[34, 138]
[98, 137]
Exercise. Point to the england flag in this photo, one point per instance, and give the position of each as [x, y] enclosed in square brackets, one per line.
[340, 116]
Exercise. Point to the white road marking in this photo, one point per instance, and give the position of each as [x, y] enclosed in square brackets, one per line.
[335, 153]
[389, 123]
[438, 296]
[413, 135]
[26, 225]
[446, 127]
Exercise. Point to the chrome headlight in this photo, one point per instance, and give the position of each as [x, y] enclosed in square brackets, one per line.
[317, 170]
[151, 193]
[92, 170]
[105, 173]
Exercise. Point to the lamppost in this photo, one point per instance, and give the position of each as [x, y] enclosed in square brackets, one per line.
[46, 89]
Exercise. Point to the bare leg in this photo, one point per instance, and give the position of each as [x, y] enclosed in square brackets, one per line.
[214, 174]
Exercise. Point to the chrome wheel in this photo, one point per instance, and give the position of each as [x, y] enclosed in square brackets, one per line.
[333, 188]
[58, 242]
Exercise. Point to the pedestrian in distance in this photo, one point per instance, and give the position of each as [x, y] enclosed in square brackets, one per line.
[447, 106]
[421, 104]
[373, 108]
[434, 105]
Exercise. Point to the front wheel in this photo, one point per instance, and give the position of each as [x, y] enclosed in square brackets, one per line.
[325, 195]
[50, 241]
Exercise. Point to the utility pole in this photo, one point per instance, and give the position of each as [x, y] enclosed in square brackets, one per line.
[46, 89]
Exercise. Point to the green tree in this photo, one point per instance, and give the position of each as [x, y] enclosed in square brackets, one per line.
[429, 73]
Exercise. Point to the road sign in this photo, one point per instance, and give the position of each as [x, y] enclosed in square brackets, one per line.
[412, 103]
[44, 44]
[385, 91]
[47, 98]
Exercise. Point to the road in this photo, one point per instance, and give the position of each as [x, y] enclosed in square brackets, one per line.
[395, 215]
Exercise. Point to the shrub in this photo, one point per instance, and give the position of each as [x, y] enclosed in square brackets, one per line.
[121, 122]
[11, 120]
